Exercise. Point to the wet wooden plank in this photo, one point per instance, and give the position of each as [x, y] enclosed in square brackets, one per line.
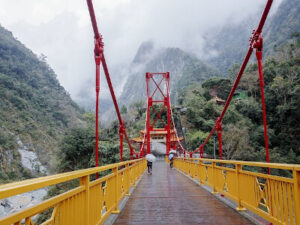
[168, 197]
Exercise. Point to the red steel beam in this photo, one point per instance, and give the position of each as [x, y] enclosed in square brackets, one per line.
[158, 87]
[158, 115]
[93, 19]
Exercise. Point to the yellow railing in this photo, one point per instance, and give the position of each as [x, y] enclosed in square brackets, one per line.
[89, 203]
[275, 198]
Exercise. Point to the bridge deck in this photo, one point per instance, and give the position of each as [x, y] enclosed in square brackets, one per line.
[168, 197]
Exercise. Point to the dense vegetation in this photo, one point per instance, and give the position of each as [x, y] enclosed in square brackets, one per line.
[34, 108]
[77, 149]
[243, 131]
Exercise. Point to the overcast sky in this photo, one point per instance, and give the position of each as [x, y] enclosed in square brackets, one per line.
[61, 29]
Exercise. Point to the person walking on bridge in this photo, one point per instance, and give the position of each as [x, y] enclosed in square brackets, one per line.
[149, 165]
[171, 158]
[150, 159]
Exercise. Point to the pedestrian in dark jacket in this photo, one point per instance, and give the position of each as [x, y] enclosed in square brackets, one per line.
[149, 165]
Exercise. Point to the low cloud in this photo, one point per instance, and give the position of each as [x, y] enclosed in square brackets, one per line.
[61, 30]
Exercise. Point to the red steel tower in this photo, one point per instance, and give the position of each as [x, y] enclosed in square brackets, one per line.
[158, 96]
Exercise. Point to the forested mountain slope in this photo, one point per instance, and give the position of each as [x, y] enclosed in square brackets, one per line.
[231, 42]
[243, 133]
[35, 110]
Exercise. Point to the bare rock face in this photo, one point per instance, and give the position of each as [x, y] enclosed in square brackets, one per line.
[30, 160]
[16, 203]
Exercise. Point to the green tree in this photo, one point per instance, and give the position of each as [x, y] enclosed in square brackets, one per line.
[221, 86]
[123, 109]
[236, 143]
[233, 72]
[77, 147]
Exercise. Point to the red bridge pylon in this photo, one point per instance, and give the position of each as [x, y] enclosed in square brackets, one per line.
[158, 95]
[159, 127]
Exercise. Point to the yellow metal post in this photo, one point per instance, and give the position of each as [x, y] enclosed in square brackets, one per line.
[134, 175]
[199, 172]
[139, 172]
[296, 176]
[192, 167]
[214, 182]
[238, 168]
[127, 180]
[115, 171]
[85, 181]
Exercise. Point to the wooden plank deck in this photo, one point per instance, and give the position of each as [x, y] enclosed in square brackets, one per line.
[168, 197]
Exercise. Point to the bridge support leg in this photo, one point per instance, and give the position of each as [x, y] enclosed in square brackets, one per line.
[259, 51]
[149, 104]
[168, 104]
[201, 151]
[121, 146]
[219, 132]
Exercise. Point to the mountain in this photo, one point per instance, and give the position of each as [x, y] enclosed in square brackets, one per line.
[184, 68]
[243, 132]
[282, 25]
[231, 42]
[35, 110]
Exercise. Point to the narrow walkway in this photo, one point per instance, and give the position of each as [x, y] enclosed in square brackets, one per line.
[168, 197]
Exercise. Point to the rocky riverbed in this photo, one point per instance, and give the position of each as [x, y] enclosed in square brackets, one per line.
[16, 203]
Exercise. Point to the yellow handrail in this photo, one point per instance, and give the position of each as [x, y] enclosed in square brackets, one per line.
[89, 203]
[275, 198]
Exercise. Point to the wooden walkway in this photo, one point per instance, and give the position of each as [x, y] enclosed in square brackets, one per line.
[168, 197]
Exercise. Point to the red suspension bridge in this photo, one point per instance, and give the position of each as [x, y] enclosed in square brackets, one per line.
[168, 197]
[256, 42]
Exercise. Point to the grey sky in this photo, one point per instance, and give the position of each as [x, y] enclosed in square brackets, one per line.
[61, 29]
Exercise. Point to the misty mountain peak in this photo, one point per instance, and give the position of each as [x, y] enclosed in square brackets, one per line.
[144, 51]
